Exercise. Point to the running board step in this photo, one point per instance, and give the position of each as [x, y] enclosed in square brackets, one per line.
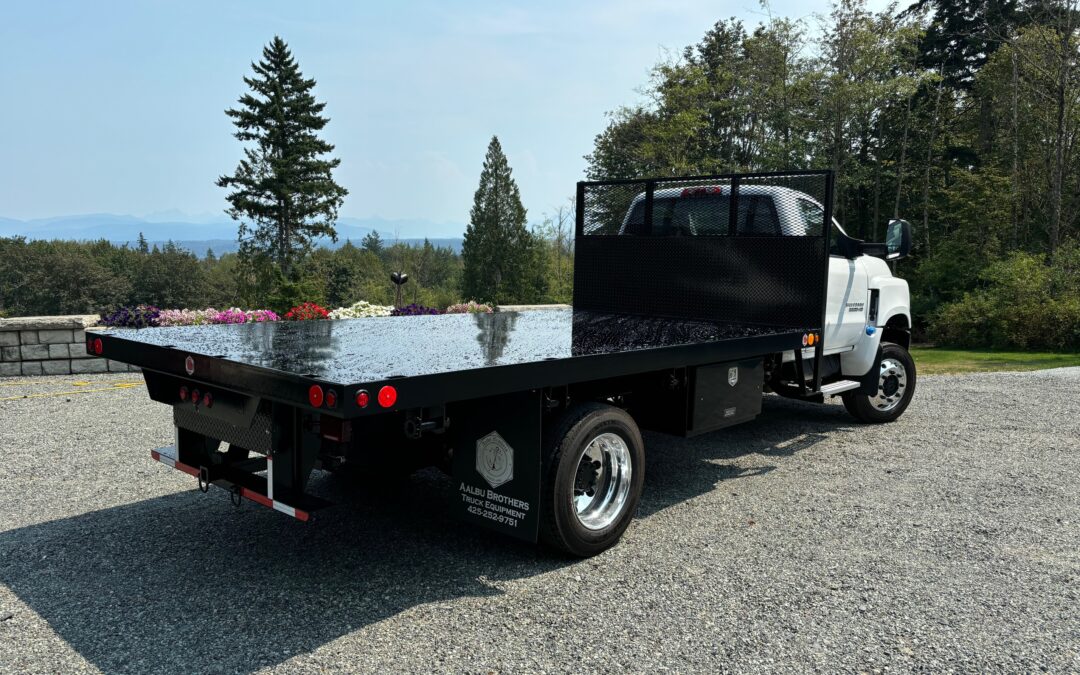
[241, 484]
[834, 388]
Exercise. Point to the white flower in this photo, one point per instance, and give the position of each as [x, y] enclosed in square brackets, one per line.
[360, 310]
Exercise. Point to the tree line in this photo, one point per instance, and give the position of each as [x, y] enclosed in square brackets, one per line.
[71, 277]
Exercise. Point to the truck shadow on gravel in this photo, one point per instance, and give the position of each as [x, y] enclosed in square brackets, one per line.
[680, 469]
[187, 583]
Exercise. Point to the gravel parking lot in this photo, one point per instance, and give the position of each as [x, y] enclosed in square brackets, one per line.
[949, 540]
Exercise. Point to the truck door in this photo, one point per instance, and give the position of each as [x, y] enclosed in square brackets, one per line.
[846, 305]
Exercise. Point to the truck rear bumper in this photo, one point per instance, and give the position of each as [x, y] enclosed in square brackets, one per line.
[236, 486]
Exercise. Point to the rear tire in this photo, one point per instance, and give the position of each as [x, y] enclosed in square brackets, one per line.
[593, 471]
[896, 386]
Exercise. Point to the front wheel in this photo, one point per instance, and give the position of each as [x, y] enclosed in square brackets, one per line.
[594, 467]
[896, 386]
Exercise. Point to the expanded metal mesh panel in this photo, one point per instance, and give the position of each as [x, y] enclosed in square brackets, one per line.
[732, 279]
[740, 248]
[255, 438]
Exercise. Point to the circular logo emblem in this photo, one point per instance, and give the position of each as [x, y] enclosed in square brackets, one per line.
[189, 365]
[494, 459]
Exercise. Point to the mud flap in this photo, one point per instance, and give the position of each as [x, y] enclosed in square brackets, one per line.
[868, 383]
[496, 465]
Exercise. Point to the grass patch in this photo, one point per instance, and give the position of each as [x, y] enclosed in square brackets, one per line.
[935, 360]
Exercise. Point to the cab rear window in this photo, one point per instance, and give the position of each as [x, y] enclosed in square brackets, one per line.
[705, 215]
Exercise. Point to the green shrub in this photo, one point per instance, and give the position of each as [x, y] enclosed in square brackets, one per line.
[1024, 303]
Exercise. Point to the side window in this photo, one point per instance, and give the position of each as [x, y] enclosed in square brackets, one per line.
[662, 209]
[757, 216]
[635, 224]
[813, 215]
[697, 216]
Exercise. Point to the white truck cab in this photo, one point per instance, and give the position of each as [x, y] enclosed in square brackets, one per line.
[868, 309]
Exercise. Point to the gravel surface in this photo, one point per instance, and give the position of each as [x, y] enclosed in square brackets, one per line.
[949, 540]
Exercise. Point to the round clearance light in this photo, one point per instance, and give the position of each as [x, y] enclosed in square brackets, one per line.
[331, 399]
[208, 400]
[315, 396]
[183, 393]
[387, 396]
[810, 339]
[98, 346]
[363, 398]
[195, 396]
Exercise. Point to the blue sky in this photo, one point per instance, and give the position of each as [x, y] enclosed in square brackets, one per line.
[118, 106]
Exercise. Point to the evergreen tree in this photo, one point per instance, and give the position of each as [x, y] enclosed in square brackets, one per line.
[143, 247]
[498, 249]
[283, 192]
[372, 242]
[964, 34]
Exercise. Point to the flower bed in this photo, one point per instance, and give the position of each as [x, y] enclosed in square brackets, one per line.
[470, 307]
[307, 311]
[361, 310]
[414, 310]
[148, 316]
[140, 316]
[237, 315]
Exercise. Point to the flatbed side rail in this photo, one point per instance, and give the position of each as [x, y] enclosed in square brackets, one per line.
[440, 387]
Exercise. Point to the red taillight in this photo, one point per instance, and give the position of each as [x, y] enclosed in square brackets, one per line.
[315, 396]
[362, 398]
[183, 393]
[331, 399]
[387, 396]
[208, 400]
[98, 347]
[195, 396]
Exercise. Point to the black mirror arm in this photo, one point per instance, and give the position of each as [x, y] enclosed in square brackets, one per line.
[874, 249]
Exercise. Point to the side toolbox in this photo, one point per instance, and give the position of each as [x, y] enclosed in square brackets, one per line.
[699, 399]
[723, 394]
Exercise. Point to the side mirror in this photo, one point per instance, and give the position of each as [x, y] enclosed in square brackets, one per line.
[897, 239]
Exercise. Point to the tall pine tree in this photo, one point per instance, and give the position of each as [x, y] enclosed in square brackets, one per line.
[499, 253]
[283, 192]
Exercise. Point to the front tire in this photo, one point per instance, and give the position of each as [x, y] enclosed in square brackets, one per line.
[594, 468]
[896, 386]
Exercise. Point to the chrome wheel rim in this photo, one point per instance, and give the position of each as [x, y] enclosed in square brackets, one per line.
[892, 383]
[602, 483]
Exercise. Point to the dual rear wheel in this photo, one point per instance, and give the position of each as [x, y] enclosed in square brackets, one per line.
[593, 471]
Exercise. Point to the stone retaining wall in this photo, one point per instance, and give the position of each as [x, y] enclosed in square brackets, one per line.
[50, 345]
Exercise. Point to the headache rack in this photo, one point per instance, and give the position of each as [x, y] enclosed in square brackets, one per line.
[710, 248]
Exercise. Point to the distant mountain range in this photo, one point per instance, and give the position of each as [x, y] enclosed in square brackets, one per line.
[202, 232]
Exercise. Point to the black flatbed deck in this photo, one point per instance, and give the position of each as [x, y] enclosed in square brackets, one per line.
[448, 357]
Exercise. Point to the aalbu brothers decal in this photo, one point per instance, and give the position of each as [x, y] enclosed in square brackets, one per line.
[495, 463]
[494, 459]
